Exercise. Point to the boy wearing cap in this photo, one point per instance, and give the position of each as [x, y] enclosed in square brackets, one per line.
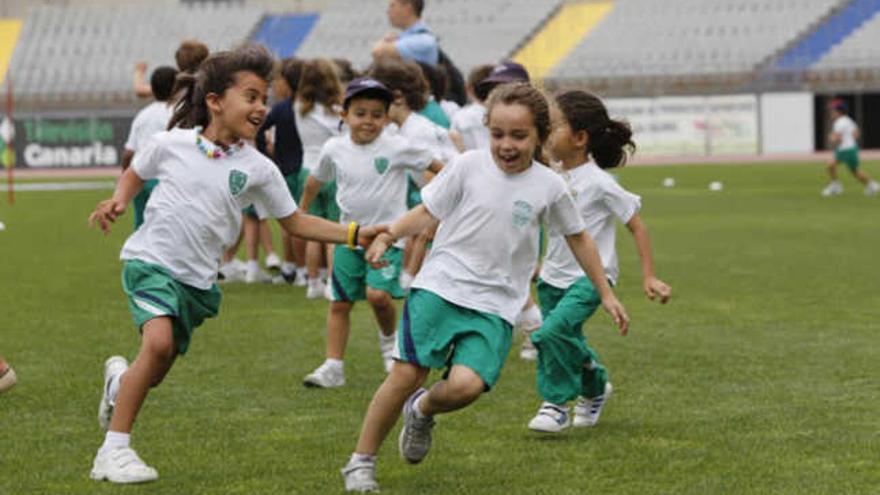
[370, 168]
[844, 137]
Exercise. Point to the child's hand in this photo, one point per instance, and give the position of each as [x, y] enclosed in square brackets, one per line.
[377, 250]
[106, 213]
[617, 312]
[366, 235]
[656, 288]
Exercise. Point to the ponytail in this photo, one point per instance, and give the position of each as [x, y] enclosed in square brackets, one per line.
[190, 109]
[609, 141]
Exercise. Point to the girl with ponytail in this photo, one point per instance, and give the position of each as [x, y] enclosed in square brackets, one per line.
[207, 173]
[585, 141]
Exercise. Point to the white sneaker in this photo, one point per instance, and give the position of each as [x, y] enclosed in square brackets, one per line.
[273, 262]
[7, 379]
[255, 276]
[832, 189]
[328, 292]
[386, 347]
[301, 277]
[316, 289]
[113, 367]
[528, 352]
[360, 476]
[231, 272]
[872, 188]
[415, 436]
[550, 419]
[587, 411]
[121, 466]
[325, 376]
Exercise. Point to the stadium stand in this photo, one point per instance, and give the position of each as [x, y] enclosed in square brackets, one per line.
[860, 50]
[284, 33]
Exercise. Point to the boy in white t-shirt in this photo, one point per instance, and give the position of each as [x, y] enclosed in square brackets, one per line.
[468, 129]
[370, 168]
[844, 137]
[149, 121]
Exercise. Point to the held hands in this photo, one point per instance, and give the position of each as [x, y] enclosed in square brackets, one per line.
[657, 289]
[367, 235]
[106, 213]
[617, 312]
[377, 249]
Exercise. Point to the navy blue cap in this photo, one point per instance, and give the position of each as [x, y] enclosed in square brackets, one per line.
[365, 84]
[506, 72]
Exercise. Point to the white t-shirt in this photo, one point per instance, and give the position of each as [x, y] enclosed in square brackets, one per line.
[846, 129]
[420, 130]
[194, 213]
[371, 183]
[469, 122]
[151, 120]
[599, 199]
[315, 128]
[450, 108]
[486, 248]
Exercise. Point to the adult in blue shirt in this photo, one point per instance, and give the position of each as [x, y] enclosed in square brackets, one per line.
[415, 42]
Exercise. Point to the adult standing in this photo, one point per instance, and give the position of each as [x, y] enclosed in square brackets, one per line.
[415, 42]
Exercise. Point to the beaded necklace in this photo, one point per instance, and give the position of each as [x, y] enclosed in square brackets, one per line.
[213, 151]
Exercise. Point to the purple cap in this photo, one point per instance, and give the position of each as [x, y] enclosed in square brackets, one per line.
[506, 72]
[364, 84]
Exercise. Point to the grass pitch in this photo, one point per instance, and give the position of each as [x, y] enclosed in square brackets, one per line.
[760, 376]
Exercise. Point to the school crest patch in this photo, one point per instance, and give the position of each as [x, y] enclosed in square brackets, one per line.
[381, 164]
[522, 213]
[237, 181]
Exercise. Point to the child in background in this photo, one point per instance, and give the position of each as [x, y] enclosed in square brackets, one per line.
[7, 375]
[206, 176]
[317, 120]
[586, 142]
[406, 82]
[287, 153]
[436, 88]
[370, 169]
[460, 312]
[844, 138]
[188, 56]
[150, 120]
[468, 129]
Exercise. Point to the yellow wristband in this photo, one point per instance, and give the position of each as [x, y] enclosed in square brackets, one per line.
[352, 231]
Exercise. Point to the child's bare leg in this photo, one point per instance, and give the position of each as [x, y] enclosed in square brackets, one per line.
[862, 177]
[387, 402]
[383, 308]
[313, 258]
[155, 358]
[832, 170]
[338, 328]
[266, 237]
[461, 389]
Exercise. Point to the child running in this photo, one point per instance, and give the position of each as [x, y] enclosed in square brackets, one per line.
[317, 120]
[370, 169]
[460, 312]
[206, 176]
[844, 137]
[586, 141]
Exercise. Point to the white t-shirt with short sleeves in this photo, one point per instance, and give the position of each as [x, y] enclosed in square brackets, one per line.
[314, 129]
[420, 130]
[151, 120]
[599, 199]
[371, 179]
[486, 248]
[194, 214]
[469, 122]
[846, 128]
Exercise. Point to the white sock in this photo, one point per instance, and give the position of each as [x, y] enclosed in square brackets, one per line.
[322, 273]
[355, 457]
[384, 339]
[417, 408]
[405, 280]
[116, 440]
[336, 364]
[314, 283]
[114, 387]
[531, 317]
[288, 268]
[302, 273]
[253, 266]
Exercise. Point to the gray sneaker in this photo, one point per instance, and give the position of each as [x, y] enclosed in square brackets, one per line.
[415, 436]
[360, 476]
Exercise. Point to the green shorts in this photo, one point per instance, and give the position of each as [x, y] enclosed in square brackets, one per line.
[251, 211]
[434, 333]
[152, 292]
[352, 274]
[296, 183]
[849, 157]
[140, 201]
[324, 205]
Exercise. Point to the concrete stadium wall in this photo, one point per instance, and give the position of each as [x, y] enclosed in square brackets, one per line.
[787, 123]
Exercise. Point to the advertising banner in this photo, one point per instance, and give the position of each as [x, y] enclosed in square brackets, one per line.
[69, 141]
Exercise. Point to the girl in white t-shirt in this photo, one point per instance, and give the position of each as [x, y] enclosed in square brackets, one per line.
[585, 141]
[317, 120]
[207, 174]
[461, 310]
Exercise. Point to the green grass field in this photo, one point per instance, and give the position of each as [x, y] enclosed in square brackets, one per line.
[759, 378]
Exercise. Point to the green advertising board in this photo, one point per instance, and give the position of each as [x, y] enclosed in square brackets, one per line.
[70, 141]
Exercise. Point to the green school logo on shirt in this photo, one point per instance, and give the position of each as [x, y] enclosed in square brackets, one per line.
[381, 164]
[522, 213]
[237, 181]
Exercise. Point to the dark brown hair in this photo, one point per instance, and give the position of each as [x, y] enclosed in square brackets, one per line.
[476, 76]
[523, 93]
[406, 77]
[345, 70]
[318, 83]
[609, 141]
[417, 5]
[215, 75]
[190, 54]
[291, 71]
